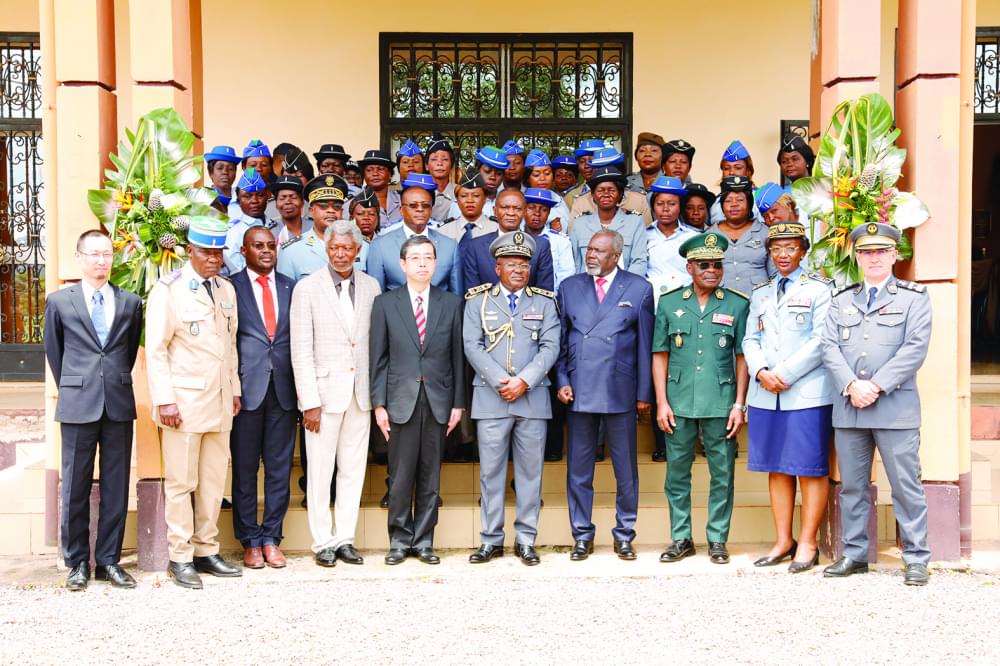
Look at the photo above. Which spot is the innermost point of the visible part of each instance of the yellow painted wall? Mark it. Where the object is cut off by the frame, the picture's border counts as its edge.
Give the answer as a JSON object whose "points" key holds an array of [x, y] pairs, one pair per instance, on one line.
{"points": [[708, 72], [988, 13], [19, 16]]}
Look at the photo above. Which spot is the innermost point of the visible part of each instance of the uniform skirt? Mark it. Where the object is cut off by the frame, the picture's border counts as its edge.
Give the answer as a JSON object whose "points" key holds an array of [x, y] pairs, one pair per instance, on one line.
{"points": [[794, 442]]}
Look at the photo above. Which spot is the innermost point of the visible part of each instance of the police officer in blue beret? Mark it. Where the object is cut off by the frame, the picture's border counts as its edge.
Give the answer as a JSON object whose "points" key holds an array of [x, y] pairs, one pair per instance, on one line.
{"points": [[221, 162], [252, 196], [491, 163]]}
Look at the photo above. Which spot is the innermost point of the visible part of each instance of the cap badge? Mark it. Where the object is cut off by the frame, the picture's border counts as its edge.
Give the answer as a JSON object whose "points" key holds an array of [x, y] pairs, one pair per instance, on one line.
{"points": [[711, 240], [519, 238], [329, 180], [872, 228]]}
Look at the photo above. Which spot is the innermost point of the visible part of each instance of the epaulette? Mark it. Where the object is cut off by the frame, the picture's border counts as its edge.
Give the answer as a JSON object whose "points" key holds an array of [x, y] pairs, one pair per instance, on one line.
{"points": [[819, 278], [911, 286], [762, 284], [493, 218], [739, 293], [475, 291], [632, 212], [541, 292], [290, 241], [672, 290], [448, 219], [581, 214], [847, 288], [170, 277]]}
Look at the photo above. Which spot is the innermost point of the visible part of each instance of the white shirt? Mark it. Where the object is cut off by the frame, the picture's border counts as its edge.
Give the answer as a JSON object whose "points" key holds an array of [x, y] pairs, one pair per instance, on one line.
{"points": [[506, 294], [425, 294], [878, 287], [666, 268], [109, 301], [610, 277], [258, 293]]}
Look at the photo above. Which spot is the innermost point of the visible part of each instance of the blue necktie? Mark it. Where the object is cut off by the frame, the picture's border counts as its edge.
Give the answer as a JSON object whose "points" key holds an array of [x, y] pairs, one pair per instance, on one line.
{"points": [[782, 284], [97, 316], [513, 301], [871, 296], [469, 226]]}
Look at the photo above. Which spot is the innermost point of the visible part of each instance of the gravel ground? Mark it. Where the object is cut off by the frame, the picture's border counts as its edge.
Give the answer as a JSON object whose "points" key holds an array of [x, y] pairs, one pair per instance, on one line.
{"points": [[560, 612]]}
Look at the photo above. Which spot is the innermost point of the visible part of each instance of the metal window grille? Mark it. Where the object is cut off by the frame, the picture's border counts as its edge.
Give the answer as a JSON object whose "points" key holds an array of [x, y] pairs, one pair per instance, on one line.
{"points": [[986, 95]]}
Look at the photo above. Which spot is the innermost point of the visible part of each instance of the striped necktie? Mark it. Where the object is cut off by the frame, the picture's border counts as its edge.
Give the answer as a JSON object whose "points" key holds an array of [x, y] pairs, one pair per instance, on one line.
{"points": [[421, 319]]}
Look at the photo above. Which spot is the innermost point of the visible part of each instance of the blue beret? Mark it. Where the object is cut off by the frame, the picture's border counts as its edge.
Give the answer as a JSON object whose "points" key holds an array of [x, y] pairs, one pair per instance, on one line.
{"points": [[251, 181], [256, 148], [537, 158], [588, 146], [513, 148], [606, 157], [539, 196], [222, 154], [424, 180], [736, 151], [565, 162], [766, 195], [492, 156], [668, 185], [409, 149]]}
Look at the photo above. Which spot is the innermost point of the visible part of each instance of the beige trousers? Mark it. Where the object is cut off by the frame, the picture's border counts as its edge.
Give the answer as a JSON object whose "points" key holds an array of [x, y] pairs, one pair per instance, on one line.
{"points": [[193, 463], [342, 442]]}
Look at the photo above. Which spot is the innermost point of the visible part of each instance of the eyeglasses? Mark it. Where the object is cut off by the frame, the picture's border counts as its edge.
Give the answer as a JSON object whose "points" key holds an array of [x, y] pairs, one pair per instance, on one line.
{"points": [[705, 265], [783, 251], [107, 256], [880, 252], [419, 206], [323, 205]]}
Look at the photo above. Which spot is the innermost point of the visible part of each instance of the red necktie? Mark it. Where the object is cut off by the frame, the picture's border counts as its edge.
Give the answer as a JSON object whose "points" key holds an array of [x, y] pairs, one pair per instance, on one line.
{"points": [[421, 319], [270, 321], [600, 289]]}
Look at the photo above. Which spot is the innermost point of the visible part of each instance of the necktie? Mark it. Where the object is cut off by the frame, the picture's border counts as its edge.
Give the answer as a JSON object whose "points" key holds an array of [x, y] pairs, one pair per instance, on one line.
{"points": [[513, 301], [872, 293], [208, 288], [782, 284], [421, 319], [98, 317], [469, 226], [270, 320], [346, 306], [600, 289]]}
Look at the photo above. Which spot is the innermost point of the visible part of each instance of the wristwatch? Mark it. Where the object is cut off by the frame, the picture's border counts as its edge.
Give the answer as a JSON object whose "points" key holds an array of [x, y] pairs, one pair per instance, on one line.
{"points": [[742, 408]]}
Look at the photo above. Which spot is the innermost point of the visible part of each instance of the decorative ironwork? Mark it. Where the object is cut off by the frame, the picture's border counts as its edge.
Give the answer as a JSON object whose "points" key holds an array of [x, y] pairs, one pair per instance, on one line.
{"points": [[546, 91], [986, 95], [22, 216]]}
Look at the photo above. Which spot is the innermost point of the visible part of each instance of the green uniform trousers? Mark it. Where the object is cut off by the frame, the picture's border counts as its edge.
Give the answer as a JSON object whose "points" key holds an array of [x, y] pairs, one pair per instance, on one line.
{"points": [[721, 455]]}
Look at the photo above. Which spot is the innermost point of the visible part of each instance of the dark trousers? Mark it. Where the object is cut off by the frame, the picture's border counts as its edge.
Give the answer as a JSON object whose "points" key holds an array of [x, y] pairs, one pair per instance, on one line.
{"points": [[584, 437], [555, 435], [415, 450], [79, 447], [264, 434]]}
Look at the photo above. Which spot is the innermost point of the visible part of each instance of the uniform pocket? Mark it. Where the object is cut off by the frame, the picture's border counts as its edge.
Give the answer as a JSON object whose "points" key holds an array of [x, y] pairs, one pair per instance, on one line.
{"points": [[71, 380]]}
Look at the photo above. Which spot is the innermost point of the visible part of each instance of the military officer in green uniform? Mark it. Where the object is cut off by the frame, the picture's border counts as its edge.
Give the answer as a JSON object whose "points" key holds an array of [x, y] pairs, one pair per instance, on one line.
{"points": [[701, 383]]}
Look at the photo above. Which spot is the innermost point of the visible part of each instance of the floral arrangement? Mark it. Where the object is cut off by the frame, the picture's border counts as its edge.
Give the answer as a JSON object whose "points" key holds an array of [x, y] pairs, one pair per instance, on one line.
{"points": [[854, 182], [147, 200]]}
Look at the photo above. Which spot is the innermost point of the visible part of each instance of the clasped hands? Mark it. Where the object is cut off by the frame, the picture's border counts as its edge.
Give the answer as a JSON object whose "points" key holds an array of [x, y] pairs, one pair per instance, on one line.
{"points": [[863, 393]]}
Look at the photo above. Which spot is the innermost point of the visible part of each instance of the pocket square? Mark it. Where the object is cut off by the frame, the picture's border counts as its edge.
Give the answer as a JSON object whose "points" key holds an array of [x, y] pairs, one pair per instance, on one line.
{"points": [[624, 304]]}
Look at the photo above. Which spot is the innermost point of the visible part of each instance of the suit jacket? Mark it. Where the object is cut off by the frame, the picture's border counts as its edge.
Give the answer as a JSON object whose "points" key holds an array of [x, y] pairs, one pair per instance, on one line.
{"points": [[606, 352], [480, 267], [399, 363], [329, 353], [92, 378], [261, 358], [886, 344], [383, 261], [785, 335], [191, 350]]}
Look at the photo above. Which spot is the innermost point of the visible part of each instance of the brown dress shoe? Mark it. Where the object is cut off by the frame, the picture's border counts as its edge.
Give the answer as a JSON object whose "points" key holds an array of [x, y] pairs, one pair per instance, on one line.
{"points": [[274, 557], [252, 558]]}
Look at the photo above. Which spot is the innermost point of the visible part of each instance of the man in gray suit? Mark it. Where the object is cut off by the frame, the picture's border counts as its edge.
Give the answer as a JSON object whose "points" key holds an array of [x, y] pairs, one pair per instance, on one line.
{"points": [[875, 340], [511, 336], [92, 332]]}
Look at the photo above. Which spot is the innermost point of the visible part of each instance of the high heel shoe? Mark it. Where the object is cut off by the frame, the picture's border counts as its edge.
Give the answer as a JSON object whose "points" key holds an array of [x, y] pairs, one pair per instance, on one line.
{"points": [[769, 561], [799, 567]]}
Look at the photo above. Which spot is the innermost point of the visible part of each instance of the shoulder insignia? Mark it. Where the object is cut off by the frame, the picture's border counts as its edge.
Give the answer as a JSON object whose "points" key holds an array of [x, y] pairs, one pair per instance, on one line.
{"points": [[719, 294], [911, 286], [847, 288], [224, 278], [448, 220], [170, 277], [762, 284], [581, 214], [493, 218], [541, 292], [671, 291], [738, 293], [475, 291], [632, 212], [686, 295], [820, 278], [290, 241]]}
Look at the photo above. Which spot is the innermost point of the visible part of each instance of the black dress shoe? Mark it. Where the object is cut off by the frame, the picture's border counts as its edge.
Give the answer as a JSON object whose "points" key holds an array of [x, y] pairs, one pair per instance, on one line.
{"points": [[215, 565], [845, 567], [115, 575], [799, 567], [768, 561], [348, 554], [915, 574], [184, 574], [78, 577], [527, 554], [553, 457], [625, 550], [718, 553], [581, 550], [384, 502], [678, 550], [226, 504], [427, 556], [599, 456], [440, 502], [395, 556], [486, 553], [326, 557], [659, 456]]}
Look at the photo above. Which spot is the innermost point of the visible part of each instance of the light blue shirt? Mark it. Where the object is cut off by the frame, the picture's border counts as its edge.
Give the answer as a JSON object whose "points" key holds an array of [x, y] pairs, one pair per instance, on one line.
{"points": [[666, 269]]}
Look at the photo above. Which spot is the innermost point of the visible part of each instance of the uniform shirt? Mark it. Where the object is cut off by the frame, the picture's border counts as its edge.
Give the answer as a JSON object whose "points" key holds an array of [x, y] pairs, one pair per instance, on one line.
{"points": [[391, 214], [455, 229], [258, 292], [109, 301], [628, 224], [715, 214], [563, 263], [235, 261], [284, 235], [746, 262], [234, 211], [302, 256], [443, 199], [666, 268]]}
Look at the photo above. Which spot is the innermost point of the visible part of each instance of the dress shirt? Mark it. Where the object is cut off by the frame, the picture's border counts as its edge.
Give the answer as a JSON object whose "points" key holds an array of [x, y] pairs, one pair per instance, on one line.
{"points": [[109, 301], [258, 292], [339, 281], [425, 294], [610, 277], [878, 287]]}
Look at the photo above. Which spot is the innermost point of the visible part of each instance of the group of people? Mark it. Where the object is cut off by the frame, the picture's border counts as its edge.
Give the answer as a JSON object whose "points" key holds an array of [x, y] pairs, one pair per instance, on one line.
{"points": [[535, 293]]}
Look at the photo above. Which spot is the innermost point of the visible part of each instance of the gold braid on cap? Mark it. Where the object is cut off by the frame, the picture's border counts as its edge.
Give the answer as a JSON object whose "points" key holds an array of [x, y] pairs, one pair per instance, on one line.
{"points": [[327, 193]]}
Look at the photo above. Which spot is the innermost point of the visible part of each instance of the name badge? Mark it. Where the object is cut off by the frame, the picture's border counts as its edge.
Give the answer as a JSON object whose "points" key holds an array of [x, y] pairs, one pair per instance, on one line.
{"points": [[724, 319], [845, 334], [533, 316], [800, 303], [890, 311]]}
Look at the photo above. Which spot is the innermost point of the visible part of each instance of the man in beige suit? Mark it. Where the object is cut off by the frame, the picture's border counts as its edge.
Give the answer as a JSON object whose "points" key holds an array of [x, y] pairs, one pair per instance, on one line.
{"points": [[195, 389], [330, 321]]}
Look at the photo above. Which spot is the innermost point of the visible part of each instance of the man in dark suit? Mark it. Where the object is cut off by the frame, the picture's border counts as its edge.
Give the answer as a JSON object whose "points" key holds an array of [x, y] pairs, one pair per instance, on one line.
{"points": [[418, 394], [265, 427], [604, 374], [480, 267], [92, 332]]}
